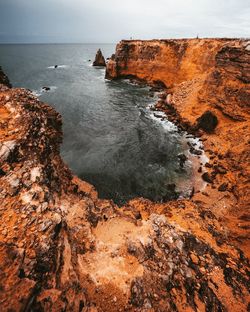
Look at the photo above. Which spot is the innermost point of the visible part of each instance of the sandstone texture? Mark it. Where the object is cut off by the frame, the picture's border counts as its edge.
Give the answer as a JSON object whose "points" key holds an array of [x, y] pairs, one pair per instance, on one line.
{"points": [[64, 249], [99, 59]]}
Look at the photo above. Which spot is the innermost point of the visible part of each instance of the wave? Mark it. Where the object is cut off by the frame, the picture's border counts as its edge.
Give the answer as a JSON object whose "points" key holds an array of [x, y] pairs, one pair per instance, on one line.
{"points": [[58, 66], [41, 91], [161, 118]]}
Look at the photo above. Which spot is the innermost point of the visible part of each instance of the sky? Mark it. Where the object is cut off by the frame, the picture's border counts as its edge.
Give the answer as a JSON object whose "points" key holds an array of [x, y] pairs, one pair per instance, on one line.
{"points": [[109, 21]]}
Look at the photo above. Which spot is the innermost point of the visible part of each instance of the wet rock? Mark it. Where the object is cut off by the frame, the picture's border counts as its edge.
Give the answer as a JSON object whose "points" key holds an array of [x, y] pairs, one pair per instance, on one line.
{"points": [[182, 159], [207, 177], [99, 59], [46, 88], [195, 151], [207, 122]]}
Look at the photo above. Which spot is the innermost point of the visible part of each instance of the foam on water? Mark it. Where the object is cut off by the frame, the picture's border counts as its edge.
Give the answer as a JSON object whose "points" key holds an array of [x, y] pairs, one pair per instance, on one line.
{"points": [[58, 66], [112, 137], [41, 91]]}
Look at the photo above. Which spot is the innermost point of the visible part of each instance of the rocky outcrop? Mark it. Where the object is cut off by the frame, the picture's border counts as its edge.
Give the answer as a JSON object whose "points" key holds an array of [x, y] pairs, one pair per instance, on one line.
{"points": [[63, 249], [99, 59], [202, 75], [4, 79]]}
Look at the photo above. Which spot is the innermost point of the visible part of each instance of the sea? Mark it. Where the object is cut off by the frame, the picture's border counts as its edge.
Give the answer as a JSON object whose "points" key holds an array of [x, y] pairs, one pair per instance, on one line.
{"points": [[112, 138]]}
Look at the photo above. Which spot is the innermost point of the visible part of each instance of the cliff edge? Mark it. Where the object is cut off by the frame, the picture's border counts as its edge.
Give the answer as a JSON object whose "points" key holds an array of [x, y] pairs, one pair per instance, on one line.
{"points": [[201, 75], [63, 249]]}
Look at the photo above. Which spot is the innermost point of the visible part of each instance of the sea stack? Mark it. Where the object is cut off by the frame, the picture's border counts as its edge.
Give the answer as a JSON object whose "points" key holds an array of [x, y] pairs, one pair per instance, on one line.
{"points": [[99, 59]]}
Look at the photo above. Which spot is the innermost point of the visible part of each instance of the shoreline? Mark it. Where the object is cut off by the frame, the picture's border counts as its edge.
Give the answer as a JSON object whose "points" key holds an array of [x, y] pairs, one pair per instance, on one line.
{"points": [[193, 137], [64, 248], [196, 81]]}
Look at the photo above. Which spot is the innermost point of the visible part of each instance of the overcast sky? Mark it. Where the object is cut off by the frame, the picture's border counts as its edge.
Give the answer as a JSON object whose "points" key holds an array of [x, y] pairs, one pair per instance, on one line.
{"points": [[109, 21]]}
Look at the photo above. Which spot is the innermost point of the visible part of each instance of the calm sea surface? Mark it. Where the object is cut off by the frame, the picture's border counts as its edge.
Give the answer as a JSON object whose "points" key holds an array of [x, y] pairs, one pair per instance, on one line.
{"points": [[111, 138]]}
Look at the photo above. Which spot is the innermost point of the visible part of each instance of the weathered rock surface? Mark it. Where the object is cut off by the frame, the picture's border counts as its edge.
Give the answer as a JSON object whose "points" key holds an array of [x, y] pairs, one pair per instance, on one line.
{"points": [[63, 249], [99, 59], [203, 75], [4, 79]]}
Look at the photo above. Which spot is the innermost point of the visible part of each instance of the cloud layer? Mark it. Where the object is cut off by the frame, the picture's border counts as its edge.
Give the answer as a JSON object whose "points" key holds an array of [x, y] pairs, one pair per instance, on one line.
{"points": [[112, 20]]}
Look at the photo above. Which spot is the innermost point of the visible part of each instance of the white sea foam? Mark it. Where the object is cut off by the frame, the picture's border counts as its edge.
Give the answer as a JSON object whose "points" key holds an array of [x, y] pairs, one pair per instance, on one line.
{"points": [[58, 66], [158, 117], [37, 92], [41, 91]]}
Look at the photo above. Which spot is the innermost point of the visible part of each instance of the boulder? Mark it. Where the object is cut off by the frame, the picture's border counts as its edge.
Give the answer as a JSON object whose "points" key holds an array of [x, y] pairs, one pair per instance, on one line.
{"points": [[207, 177], [207, 122], [99, 59]]}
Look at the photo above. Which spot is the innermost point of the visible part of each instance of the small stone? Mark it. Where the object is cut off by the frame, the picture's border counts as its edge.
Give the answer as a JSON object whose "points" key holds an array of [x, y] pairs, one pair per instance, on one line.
{"points": [[194, 258]]}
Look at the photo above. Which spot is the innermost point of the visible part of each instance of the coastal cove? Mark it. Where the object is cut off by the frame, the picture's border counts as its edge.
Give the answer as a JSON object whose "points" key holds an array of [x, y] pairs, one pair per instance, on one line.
{"points": [[63, 248], [112, 137]]}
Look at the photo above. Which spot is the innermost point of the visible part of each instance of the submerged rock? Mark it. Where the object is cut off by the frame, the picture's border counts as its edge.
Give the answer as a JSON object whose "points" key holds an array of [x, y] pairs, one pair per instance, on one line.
{"points": [[46, 88], [99, 59]]}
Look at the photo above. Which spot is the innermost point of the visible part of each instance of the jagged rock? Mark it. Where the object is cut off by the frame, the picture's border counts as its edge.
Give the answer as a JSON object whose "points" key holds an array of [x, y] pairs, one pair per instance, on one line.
{"points": [[99, 59], [64, 249], [4, 79], [207, 122]]}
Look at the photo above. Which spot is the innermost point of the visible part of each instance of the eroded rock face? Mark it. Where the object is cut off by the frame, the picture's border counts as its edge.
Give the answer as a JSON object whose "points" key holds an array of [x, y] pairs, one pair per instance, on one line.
{"points": [[99, 59], [63, 249], [202, 75], [4, 79]]}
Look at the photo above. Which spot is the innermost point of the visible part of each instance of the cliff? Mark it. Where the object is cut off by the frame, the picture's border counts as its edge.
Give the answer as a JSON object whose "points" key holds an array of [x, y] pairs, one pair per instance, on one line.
{"points": [[63, 249], [202, 75]]}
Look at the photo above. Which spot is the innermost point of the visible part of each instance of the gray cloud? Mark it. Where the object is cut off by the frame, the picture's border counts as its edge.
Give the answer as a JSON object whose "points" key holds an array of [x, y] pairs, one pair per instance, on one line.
{"points": [[112, 20]]}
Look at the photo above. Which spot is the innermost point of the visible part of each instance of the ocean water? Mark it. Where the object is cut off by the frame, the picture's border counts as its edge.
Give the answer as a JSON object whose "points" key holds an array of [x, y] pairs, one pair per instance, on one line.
{"points": [[111, 137]]}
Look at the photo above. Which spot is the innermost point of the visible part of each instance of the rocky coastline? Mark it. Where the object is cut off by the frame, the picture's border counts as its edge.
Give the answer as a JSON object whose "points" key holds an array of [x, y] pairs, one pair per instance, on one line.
{"points": [[64, 249]]}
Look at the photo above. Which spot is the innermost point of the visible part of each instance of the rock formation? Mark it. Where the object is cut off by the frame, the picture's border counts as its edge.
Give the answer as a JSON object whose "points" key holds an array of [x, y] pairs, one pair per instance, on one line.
{"points": [[4, 79], [99, 59], [63, 249]]}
